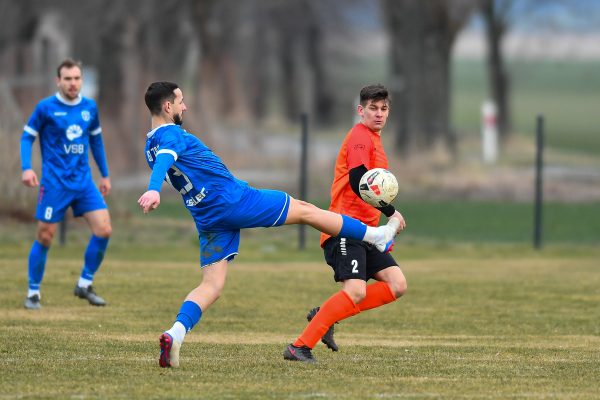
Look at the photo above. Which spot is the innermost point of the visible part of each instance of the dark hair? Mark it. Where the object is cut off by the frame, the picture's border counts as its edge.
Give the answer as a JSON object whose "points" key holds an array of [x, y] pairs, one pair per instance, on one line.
{"points": [[157, 93], [68, 63], [374, 93]]}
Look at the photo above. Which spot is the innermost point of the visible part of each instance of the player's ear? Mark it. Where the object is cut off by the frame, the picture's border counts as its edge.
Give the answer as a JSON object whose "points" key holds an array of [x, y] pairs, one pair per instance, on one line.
{"points": [[360, 110]]}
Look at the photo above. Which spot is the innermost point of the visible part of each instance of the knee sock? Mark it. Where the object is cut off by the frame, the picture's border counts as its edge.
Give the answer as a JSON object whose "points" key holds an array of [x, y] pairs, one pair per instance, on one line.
{"points": [[37, 265], [336, 308], [189, 315], [352, 228], [94, 254], [378, 294]]}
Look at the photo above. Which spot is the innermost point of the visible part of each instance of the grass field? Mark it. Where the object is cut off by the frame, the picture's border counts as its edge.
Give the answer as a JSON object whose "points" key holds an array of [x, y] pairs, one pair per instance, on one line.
{"points": [[483, 319], [477, 327], [565, 92]]}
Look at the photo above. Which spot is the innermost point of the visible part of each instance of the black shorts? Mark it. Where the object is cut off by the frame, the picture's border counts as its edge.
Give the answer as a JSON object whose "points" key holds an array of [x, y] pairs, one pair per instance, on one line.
{"points": [[354, 259]]}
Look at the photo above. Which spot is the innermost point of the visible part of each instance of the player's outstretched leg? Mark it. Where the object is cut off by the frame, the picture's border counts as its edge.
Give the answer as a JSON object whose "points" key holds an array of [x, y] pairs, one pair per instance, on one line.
{"points": [[327, 338], [301, 353], [301, 212]]}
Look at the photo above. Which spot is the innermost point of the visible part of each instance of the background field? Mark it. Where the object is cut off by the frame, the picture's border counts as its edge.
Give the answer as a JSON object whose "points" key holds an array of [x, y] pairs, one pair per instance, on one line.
{"points": [[565, 92], [486, 316]]}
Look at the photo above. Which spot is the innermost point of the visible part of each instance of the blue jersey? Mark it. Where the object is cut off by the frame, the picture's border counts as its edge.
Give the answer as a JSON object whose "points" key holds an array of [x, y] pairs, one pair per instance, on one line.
{"points": [[64, 129], [206, 185]]}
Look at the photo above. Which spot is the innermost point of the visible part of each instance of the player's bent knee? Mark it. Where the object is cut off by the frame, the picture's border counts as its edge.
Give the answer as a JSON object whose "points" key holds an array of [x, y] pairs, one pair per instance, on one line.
{"points": [[45, 237], [104, 231], [399, 287], [357, 295]]}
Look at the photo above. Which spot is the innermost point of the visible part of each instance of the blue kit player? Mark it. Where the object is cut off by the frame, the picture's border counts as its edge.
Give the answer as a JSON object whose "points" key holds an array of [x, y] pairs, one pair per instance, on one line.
{"points": [[221, 205], [67, 125]]}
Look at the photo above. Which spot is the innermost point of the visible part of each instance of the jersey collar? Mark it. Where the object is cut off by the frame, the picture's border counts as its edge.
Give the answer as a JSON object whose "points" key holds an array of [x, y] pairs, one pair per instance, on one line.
{"points": [[157, 128], [69, 102]]}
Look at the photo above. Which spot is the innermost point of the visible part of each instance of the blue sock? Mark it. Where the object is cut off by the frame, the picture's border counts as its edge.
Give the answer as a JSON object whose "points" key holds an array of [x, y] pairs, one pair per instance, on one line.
{"points": [[352, 228], [37, 264], [189, 314], [94, 254]]}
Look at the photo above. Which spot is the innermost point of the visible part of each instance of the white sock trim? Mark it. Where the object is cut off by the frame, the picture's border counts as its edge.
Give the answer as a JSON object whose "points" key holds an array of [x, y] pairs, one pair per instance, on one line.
{"points": [[84, 283], [177, 331]]}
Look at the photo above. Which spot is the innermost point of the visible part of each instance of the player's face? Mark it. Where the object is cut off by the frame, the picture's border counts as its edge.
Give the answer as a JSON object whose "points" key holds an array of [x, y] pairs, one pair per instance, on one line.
{"points": [[374, 115], [178, 107], [69, 82]]}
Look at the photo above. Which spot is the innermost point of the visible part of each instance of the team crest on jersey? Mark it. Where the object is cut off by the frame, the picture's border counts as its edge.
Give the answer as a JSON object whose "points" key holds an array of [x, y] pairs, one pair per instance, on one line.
{"points": [[74, 131], [85, 114]]}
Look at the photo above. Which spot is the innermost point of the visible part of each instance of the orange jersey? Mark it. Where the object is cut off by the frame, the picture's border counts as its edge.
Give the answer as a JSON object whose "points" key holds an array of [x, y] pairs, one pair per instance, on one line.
{"points": [[361, 146]]}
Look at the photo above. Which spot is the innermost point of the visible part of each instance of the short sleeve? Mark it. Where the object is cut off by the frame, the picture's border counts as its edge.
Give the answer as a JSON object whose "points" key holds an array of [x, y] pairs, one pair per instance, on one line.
{"points": [[359, 148], [36, 121], [171, 142], [95, 128]]}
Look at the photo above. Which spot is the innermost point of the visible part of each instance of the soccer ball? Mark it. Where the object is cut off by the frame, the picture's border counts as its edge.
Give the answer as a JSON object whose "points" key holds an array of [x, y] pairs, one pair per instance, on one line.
{"points": [[378, 187]]}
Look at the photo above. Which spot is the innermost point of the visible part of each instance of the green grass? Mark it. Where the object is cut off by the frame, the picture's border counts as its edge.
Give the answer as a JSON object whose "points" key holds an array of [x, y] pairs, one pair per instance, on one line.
{"points": [[501, 222], [486, 316], [566, 93], [457, 228], [510, 326]]}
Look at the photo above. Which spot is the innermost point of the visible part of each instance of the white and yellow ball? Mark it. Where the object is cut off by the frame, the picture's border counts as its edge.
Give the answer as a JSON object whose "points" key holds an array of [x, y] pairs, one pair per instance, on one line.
{"points": [[378, 187]]}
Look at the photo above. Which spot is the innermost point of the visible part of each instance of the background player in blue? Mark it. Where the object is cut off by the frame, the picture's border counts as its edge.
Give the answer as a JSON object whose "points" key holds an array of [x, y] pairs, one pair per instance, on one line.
{"points": [[221, 205], [67, 125]]}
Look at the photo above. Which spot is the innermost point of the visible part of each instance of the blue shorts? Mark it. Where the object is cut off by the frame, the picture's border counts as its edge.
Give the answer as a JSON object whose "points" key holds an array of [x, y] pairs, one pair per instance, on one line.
{"points": [[259, 208], [53, 202]]}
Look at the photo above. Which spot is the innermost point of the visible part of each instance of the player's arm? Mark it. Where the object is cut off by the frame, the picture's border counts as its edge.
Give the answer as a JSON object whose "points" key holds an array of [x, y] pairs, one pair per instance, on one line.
{"points": [[28, 176], [97, 147], [151, 199], [389, 211]]}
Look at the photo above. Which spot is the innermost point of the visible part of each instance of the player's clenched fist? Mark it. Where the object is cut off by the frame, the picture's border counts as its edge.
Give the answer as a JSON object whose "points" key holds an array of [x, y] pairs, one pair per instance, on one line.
{"points": [[149, 201]]}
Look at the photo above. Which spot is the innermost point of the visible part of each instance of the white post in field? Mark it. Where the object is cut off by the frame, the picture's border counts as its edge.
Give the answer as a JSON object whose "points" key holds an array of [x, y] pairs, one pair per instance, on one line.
{"points": [[489, 132]]}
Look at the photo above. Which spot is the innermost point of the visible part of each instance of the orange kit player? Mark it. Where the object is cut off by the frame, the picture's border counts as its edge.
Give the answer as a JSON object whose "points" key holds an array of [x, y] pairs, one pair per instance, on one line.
{"points": [[355, 262]]}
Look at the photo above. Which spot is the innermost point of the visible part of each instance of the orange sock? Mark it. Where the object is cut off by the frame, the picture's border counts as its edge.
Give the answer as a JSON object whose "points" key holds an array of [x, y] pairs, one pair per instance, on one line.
{"points": [[336, 308], [378, 294]]}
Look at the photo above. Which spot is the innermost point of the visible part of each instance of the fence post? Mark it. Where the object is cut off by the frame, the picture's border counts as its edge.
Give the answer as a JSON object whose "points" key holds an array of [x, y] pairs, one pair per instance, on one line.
{"points": [[539, 165], [303, 175]]}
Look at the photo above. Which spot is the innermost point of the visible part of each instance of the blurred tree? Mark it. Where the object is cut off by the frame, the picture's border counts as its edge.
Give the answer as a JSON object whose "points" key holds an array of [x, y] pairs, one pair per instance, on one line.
{"points": [[222, 96], [421, 37], [301, 56], [496, 15], [323, 100]]}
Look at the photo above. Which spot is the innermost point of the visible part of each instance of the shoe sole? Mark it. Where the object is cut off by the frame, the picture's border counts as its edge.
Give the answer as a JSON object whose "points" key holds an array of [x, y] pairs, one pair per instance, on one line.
{"points": [[166, 343]]}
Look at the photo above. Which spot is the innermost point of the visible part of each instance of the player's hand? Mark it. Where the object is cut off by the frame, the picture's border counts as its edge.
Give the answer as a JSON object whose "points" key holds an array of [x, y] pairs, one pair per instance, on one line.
{"points": [[401, 221], [105, 186], [29, 178], [149, 201]]}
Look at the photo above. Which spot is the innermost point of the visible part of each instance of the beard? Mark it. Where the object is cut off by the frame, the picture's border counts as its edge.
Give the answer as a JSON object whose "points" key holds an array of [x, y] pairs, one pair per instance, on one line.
{"points": [[178, 119]]}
